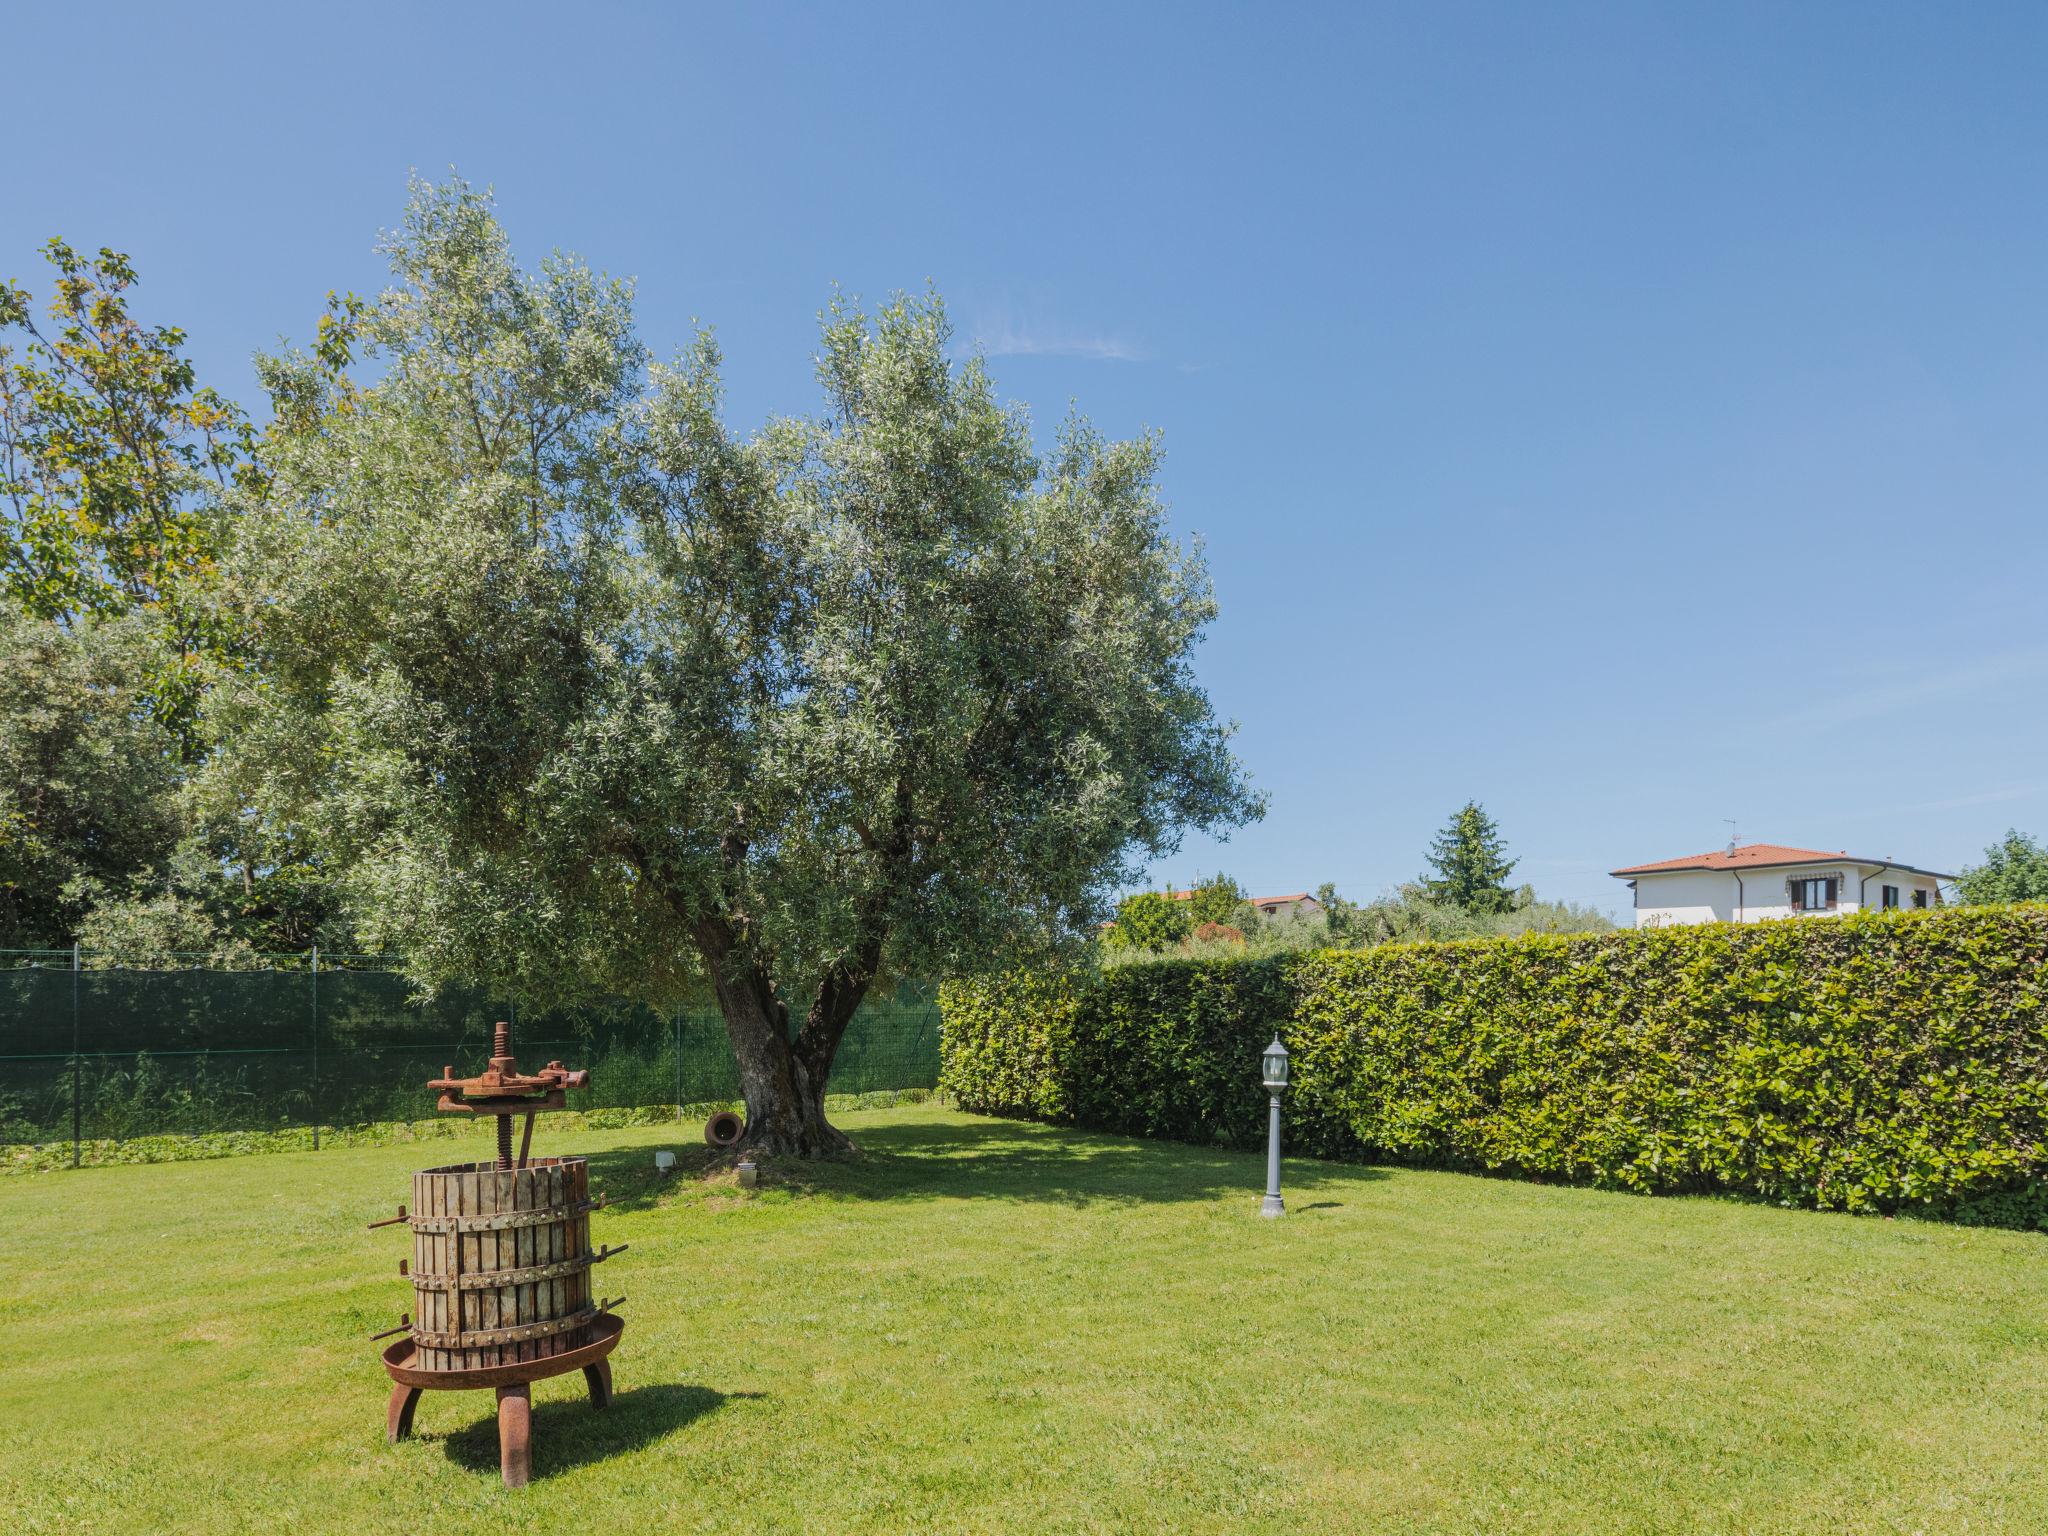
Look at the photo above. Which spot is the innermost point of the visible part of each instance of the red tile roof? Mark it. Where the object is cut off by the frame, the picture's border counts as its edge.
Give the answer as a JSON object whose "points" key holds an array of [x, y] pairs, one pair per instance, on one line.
{"points": [[1764, 856], [1257, 901]]}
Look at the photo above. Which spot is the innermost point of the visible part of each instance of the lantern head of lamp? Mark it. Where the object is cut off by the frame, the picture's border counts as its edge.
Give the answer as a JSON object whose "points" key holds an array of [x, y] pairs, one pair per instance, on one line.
{"points": [[1274, 1064]]}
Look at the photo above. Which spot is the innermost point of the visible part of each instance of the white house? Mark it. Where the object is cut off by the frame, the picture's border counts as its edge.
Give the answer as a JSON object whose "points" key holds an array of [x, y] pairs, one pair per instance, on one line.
{"points": [[1750, 883]]}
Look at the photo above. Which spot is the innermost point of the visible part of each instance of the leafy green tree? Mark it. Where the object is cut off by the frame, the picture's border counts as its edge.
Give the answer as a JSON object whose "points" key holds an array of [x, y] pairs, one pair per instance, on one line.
{"points": [[591, 694], [112, 462], [1215, 900], [2014, 869], [87, 772], [196, 901], [1149, 920], [1471, 863], [1343, 920], [160, 927], [114, 469]]}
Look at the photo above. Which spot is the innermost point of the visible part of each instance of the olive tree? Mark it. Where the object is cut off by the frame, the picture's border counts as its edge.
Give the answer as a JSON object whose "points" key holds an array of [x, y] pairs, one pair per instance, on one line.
{"points": [[599, 695]]}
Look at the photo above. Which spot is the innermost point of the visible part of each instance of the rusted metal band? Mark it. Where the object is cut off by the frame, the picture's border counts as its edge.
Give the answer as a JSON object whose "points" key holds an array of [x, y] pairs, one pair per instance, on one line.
{"points": [[477, 1338], [501, 1223], [490, 1279]]}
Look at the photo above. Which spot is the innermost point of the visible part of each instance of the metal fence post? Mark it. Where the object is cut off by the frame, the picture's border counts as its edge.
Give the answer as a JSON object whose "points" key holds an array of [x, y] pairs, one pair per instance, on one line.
{"points": [[676, 1040], [76, 1074], [316, 1045]]}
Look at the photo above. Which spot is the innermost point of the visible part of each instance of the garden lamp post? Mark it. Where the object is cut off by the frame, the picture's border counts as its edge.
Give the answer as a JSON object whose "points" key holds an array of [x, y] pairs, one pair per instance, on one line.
{"points": [[1274, 1063]]}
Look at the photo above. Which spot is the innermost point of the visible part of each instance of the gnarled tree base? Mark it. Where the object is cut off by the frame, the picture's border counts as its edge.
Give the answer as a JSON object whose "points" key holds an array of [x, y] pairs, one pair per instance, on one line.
{"points": [[792, 1130]]}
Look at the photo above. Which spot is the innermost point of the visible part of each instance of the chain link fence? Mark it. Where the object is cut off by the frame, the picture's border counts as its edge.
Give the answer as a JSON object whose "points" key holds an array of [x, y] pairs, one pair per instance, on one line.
{"points": [[89, 1052]]}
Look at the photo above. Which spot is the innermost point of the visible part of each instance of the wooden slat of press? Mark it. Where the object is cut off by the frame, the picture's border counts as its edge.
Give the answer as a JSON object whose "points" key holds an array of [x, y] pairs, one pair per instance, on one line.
{"points": [[508, 1255], [529, 1305], [451, 1304], [442, 1206], [566, 1295], [508, 1243], [419, 1255], [539, 1298], [426, 1197], [531, 1241], [451, 1264], [445, 1191], [427, 1250], [492, 1298], [484, 1299], [427, 1191], [417, 1244], [494, 1201], [427, 1247], [558, 1248], [587, 1296], [451, 1257], [471, 1246], [578, 1291], [543, 1196], [572, 1240]]}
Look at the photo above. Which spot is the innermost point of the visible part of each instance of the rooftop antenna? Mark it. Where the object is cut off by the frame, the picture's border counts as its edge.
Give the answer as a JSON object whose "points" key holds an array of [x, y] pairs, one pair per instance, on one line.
{"points": [[1731, 832]]}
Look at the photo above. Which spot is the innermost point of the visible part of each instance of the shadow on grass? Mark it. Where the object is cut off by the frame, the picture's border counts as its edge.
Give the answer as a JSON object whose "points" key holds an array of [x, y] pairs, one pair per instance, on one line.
{"points": [[569, 1433], [987, 1159]]}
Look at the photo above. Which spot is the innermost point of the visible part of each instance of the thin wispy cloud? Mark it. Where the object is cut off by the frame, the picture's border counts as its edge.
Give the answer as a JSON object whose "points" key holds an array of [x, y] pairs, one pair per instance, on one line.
{"points": [[1930, 688], [1560, 865], [1002, 336], [1999, 796]]}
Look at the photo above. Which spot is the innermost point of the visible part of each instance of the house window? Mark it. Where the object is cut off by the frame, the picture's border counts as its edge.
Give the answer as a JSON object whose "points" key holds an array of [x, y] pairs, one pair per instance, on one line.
{"points": [[1891, 897], [1815, 895], [1920, 899]]}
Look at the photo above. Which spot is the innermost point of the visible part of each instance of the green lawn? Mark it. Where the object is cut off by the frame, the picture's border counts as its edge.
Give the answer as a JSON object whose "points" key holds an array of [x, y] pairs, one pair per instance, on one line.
{"points": [[989, 1326]]}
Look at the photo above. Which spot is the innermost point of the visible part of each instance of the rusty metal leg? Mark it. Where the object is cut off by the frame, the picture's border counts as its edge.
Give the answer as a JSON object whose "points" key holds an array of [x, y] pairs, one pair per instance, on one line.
{"points": [[515, 1434], [598, 1378], [398, 1414]]}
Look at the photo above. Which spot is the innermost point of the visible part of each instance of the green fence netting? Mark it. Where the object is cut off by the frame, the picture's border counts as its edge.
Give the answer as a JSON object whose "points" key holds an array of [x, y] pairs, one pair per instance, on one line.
{"points": [[91, 1053]]}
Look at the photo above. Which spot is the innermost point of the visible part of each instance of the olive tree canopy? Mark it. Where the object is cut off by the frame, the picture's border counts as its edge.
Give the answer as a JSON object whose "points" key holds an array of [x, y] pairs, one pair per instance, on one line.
{"points": [[599, 696]]}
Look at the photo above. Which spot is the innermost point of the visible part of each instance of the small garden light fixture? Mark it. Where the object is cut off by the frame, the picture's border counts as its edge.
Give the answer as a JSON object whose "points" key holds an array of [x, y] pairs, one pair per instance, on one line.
{"points": [[1274, 1067]]}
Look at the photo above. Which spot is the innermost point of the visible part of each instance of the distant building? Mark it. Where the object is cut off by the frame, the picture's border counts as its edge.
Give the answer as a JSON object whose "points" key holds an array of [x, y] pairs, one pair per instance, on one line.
{"points": [[1300, 904], [1748, 884]]}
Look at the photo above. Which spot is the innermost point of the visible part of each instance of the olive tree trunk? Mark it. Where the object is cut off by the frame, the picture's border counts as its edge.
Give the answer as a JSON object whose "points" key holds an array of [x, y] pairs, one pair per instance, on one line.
{"points": [[782, 1080]]}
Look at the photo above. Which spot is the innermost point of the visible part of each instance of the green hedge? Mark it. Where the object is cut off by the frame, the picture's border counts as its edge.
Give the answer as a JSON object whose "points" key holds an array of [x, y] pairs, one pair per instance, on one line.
{"points": [[1884, 1062]]}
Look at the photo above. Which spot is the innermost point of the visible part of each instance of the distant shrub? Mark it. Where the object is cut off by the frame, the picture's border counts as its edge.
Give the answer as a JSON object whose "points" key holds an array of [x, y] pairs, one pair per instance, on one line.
{"points": [[619, 1119], [1148, 921]]}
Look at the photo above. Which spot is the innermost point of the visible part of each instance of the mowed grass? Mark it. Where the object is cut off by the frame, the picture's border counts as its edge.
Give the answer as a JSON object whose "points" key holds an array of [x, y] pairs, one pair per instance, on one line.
{"points": [[989, 1326]]}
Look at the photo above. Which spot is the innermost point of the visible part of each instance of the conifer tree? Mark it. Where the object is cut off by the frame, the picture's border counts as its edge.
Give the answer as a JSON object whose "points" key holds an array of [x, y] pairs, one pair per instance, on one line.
{"points": [[1471, 862]]}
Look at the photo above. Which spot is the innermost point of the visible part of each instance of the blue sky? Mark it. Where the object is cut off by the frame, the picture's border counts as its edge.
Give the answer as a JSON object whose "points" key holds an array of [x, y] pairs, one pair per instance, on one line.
{"points": [[1630, 417]]}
